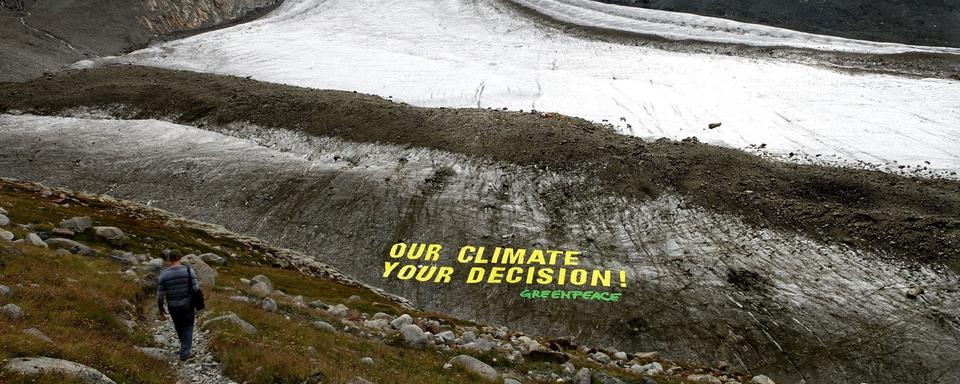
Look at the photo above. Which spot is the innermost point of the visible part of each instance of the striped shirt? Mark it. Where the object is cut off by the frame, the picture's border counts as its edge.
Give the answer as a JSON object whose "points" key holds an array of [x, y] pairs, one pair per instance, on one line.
{"points": [[172, 286]]}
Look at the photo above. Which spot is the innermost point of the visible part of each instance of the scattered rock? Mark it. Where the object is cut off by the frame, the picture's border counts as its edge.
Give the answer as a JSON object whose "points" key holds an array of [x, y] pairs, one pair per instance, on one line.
{"points": [[46, 365], [511, 381], [206, 274], [383, 316], [704, 379], [71, 246], [112, 235], [446, 336], [646, 355], [714, 125], [38, 334], [321, 305], [5, 291], [544, 355], [77, 224], [62, 232], [475, 368], [261, 289], [359, 380], [212, 258], [324, 326], [156, 353], [367, 361], [761, 379], [62, 252], [6, 235], [380, 324], [35, 240], [399, 322], [621, 356], [11, 311], [233, 318], [354, 299], [604, 378], [4, 220], [129, 275], [413, 335], [583, 376], [269, 305], [651, 369]]}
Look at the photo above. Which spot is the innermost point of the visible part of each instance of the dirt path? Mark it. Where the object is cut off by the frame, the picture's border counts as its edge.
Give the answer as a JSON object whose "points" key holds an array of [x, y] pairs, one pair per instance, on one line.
{"points": [[203, 368]]}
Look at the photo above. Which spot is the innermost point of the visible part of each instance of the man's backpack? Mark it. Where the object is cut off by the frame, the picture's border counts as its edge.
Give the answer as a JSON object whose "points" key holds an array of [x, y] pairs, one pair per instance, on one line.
{"points": [[196, 296]]}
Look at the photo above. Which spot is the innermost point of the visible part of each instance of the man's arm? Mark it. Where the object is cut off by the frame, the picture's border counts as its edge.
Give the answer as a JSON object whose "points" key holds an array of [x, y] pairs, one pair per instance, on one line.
{"points": [[161, 293]]}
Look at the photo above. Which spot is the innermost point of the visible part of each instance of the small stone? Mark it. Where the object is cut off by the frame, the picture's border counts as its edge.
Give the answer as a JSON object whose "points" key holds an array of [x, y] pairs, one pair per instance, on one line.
{"points": [[367, 361], [652, 369], [62, 232], [245, 281], [324, 326], [269, 305], [914, 292], [4, 220], [158, 354], [359, 380], [6, 235], [5, 291], [621, 356], [242, 299], [77, 224], [600, 357], [233, 318], [212, 258], [11, 311], [446, 336], [354, 299], [70, 245], [761, 379], [339, 310], [399, 322], [129, 275], [474, 367], [646, 355], [38, 334], [261, 288], [320, 305], [510, 381]]}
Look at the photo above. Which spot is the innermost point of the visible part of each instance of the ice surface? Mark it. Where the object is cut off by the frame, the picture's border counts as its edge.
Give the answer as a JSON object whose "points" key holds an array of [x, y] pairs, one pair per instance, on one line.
{"points": [[483, 53]]}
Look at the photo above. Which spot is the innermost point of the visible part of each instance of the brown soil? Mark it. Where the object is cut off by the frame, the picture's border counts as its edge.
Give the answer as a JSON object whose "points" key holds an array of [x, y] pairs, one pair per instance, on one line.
{"points": [[908, 218]]}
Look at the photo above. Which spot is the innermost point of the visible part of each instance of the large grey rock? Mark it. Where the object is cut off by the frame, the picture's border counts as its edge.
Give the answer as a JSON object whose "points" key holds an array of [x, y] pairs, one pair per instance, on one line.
{"points": [[413, 335], [6, 235], [269, 305], [4, 220], [77, 224], [262, 279], [46, 365], [35, 240], [339, 310], [261, 289], [761, 379], [70, 245], [212, 258], [399, 322], [38, 334], [446, 336], [600, 357], [324, 326], [11, 311], [475, 368], [206, 274], [112, 235], [232, 318], [583, 376], [5, 291]]}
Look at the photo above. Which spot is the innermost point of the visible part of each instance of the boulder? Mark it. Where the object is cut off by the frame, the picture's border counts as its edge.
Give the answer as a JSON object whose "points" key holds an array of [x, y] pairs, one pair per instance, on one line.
{"points": [[475, 368], [6, 235], [62, 232], [206, 274], [621, 356], [262, 279], [379, 324], [112, 235], [38, 334], [704, 379], [5, 291], [269, 305], [261, 289], [399, 322], [77, 224], [11, 311], [761, 379], [324, 326], [413, 335], [4, 220], [35, 240], [71, 246], [46, 365], [446, 336], [232, 318], [212, 258], [651, 369], [583, 376]]}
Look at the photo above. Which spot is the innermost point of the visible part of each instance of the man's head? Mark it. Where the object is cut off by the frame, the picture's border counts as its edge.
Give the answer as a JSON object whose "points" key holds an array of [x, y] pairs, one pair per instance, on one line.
{"points": [[175, 256]]}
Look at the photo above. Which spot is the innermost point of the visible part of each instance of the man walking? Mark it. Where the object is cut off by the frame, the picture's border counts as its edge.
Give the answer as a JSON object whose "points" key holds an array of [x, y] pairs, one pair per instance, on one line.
{"points": [[176, 285]]}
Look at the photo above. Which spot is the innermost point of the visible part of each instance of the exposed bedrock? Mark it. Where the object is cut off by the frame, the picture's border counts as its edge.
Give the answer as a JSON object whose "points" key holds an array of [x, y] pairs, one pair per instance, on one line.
{"points": [[701, 286]]}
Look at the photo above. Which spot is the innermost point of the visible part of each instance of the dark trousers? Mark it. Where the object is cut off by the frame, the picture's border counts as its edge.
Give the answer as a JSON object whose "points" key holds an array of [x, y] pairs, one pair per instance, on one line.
{"points": [[183, 318]]}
